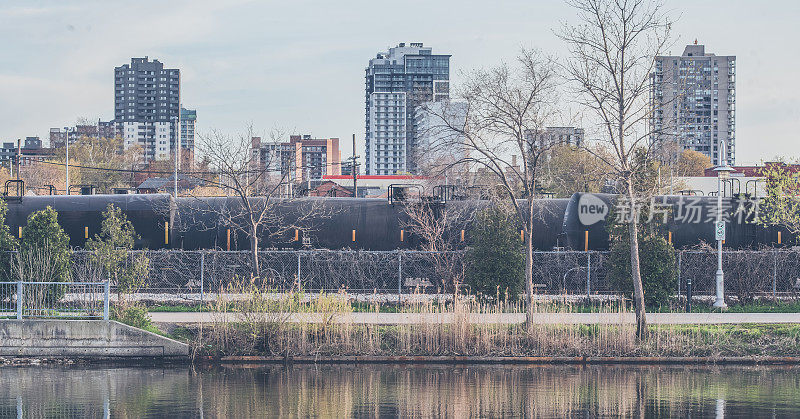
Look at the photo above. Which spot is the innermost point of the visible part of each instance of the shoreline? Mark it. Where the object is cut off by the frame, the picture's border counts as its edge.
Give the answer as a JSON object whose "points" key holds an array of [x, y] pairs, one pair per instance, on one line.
{"points": [[243, 360], [500, 360]]}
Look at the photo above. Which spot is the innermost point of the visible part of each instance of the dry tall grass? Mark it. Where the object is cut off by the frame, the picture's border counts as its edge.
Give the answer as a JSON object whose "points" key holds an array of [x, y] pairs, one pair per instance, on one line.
{"points": [[263, 324]]}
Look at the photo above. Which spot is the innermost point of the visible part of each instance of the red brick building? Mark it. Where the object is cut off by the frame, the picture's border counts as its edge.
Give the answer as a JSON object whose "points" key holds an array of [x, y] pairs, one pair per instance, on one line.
{"points": [[331, 189], [303, 158]]}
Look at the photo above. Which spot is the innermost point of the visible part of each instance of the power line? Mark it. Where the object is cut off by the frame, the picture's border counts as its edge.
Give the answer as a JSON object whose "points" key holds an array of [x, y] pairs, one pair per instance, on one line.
{"points": [[160, 172]]}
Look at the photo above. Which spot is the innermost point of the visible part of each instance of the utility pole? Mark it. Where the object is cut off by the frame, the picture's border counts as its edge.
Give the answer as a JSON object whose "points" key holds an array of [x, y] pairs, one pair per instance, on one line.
{"points": [[177, 148], [19, 156], [11, 166], [354, 170]]}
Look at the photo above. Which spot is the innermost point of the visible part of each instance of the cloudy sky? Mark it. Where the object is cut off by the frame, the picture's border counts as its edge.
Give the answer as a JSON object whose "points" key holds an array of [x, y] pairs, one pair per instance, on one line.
{"points": [[300, 64]]}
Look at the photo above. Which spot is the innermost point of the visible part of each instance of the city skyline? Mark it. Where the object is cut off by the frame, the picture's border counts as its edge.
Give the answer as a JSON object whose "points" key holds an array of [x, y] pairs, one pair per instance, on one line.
{"points": [[244, 63]]}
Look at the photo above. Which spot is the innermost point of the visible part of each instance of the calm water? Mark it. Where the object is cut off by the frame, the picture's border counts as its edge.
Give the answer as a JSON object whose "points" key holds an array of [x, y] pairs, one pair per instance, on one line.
{"points": [[399, 391]]}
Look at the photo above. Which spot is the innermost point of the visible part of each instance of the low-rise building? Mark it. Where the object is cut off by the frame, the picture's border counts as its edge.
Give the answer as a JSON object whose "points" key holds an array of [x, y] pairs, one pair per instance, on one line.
{"points": [[743, 179], [553, 136], [167, 185], [330, 189], [102, 129], [378, 185], [28, 152]]}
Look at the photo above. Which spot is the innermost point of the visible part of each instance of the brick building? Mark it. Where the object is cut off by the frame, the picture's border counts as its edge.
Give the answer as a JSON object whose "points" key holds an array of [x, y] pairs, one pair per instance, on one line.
{"points": [[302, 158]]}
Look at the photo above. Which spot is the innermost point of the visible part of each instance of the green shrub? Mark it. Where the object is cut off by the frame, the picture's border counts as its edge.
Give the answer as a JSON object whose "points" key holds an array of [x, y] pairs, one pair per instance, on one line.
{"points": [[133, 315], [8, 244], [496, 259], [43, 256], [43, 236], [656, 263], [110, 250]]}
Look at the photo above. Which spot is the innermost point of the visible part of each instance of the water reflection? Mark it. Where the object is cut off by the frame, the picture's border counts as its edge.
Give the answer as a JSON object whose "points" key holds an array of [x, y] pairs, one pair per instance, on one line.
{"points": [[394, 391]]}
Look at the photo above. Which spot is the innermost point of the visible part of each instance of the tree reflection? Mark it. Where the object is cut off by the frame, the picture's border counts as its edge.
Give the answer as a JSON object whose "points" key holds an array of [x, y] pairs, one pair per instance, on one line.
{"points": [[397, 390]]}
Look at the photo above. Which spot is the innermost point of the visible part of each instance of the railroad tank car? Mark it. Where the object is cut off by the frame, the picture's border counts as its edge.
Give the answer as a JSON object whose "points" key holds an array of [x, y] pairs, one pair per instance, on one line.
{"points": [[81, 215], [335, 223], [190, 223], [329, 223], [691, 222]]}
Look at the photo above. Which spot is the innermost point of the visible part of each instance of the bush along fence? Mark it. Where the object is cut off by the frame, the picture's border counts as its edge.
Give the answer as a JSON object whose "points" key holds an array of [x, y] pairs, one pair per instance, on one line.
{"points": [[748, 274]]}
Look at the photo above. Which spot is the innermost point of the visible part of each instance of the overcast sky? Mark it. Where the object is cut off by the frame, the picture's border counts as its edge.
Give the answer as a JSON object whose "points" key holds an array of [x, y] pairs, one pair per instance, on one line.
{"points": [[300, 64]]}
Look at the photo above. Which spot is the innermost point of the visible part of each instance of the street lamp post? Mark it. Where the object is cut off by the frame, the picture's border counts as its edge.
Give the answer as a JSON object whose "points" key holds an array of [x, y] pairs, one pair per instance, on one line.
{"points": [[723, 172]]}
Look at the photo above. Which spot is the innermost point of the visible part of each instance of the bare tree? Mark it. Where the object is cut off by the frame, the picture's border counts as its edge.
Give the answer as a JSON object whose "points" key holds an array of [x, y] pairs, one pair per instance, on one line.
{"points": [[613, 51], [504, 114], [257, 185], [439, 227]]}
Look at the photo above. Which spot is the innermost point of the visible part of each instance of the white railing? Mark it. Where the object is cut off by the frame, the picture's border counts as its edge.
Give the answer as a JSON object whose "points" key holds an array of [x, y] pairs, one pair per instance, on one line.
{"points": [[27, 299]]}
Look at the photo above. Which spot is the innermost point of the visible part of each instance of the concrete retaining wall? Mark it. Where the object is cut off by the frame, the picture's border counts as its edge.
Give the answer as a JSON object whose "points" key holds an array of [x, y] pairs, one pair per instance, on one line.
{"points": [[84, 339]]}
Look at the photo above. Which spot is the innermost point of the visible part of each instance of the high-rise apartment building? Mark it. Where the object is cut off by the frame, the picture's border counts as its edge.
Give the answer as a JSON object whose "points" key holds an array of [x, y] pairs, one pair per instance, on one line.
{"points": [[302, 158], [147, 106], [188, 120], [395, 83], [694, 102]]}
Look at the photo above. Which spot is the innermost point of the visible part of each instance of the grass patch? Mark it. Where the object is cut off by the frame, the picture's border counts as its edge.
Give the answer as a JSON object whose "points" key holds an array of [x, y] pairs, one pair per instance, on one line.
{"points": [[136, 316], [177, 308]]}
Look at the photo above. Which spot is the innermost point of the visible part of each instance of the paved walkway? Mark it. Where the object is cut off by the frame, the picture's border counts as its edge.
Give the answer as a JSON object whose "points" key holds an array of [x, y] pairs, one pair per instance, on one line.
{"points": [[504, 318]]}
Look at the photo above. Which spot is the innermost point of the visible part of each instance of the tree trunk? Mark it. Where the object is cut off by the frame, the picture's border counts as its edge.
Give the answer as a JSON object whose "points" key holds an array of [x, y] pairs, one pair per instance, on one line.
{"points": [[529, 277], [120, 301], [254, 253], [529, 263], [636, 275]]}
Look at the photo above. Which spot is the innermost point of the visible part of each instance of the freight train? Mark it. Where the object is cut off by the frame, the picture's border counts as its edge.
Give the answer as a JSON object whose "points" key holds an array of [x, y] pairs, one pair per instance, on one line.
{"points": [[190, 223]]}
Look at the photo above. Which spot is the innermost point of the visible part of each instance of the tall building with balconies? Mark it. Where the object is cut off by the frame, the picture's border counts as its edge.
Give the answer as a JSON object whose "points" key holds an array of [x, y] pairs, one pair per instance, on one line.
{"points": [[395, 83], [693, 98], [147, 106]]}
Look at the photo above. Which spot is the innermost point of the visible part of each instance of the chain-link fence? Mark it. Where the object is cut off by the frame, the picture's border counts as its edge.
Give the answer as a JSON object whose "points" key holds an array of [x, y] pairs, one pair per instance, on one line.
{"points": [[190, 272], [747, 273]]}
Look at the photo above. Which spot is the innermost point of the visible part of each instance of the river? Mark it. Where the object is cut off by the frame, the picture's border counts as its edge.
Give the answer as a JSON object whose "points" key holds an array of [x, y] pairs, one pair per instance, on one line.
{"points": [[399, 391]]}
